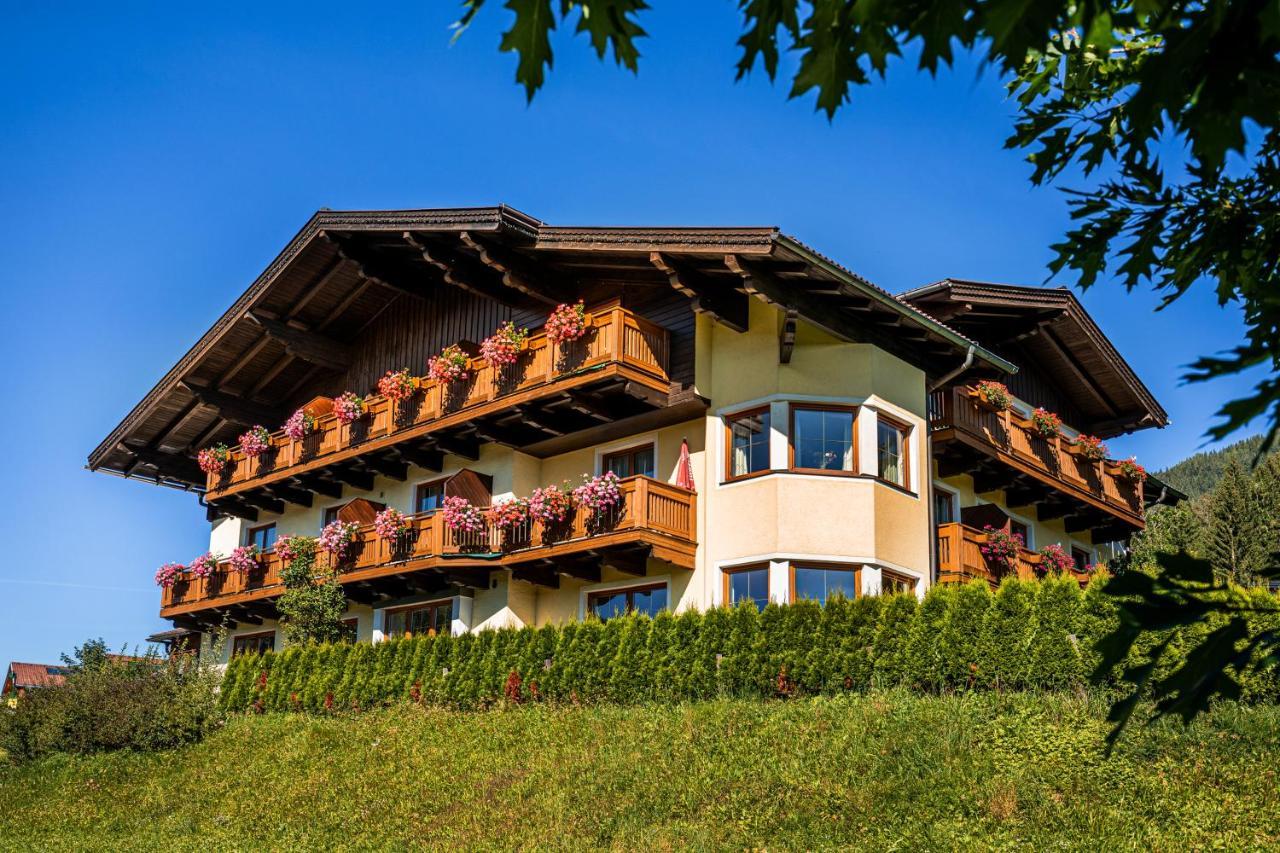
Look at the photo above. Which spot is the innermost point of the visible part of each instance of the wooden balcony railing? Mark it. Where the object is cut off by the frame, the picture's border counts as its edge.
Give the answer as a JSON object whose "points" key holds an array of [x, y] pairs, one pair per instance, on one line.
{"points": [[1012, 438], [652, 512], [960, 558], [617, 340]]}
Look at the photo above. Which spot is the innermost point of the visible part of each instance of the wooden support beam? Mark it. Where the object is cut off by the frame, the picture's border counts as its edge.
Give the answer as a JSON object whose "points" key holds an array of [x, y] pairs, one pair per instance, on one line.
{"points": [[787, 336], [312, 347], [537, 574], [237, 508], [387, 467], [171, 465], [583, 570], [634, 562], [371, 268], [236, 409], [423, 457], [718, 300], [591, 406], [318, 484], [464, 446], [464, 273], [285, 492], [263, 501], [541, 419], [468, 577], [515, 272], [362, 480]]}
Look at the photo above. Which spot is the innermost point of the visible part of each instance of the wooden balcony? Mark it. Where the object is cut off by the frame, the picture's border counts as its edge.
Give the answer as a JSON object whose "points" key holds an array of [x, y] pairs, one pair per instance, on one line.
{"points": [[960, 557], [617, 370], [1001, 450], [654, 519]]}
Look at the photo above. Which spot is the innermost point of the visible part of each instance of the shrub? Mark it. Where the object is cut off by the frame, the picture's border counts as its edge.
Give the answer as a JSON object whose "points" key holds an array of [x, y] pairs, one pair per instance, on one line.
{"points": [[142, 704], [1055, 653], [1004, 659], [924, 668], [889, 651], [958, 646]]}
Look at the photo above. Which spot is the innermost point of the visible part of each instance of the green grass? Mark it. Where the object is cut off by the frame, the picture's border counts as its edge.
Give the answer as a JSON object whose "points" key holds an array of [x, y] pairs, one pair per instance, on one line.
{"points": [[884, 772]]}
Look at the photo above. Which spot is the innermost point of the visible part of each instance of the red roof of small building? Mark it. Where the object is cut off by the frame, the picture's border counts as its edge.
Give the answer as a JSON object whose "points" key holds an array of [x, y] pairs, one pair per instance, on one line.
{"points": [[27, 675]]}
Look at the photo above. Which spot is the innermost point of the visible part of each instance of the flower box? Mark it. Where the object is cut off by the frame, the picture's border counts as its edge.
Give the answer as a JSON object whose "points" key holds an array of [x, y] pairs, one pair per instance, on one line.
{"points": [[993, 396]]}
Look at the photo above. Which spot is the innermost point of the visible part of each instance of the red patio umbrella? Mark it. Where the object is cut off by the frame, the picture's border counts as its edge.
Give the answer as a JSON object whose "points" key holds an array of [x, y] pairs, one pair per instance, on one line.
{"points": [[684, 467]]}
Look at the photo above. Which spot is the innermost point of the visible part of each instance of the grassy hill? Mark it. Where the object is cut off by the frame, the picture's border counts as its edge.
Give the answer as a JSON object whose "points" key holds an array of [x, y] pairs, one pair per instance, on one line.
{"points": [[886, 771]]}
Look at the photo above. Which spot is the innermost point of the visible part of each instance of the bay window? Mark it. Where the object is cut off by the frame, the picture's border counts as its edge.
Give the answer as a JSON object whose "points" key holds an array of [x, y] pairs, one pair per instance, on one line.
{"points": [[822, 438], [748, 442]]}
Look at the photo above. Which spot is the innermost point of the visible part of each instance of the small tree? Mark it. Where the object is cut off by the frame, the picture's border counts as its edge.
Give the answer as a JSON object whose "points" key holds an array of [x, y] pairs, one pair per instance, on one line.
{"points": [[1234, 543], [960, 637], [310, 612], [1004, 648]]}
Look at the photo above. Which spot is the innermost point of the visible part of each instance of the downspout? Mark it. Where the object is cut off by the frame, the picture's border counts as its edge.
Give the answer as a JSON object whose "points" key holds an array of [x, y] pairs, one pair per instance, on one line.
{"points": [[933, 526]]}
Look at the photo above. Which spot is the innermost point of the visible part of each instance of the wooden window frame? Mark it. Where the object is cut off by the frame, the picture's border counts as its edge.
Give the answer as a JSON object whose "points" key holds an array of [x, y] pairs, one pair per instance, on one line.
{"points": [[1027, 538], [906, 430], [630, 451], [911, 581], [417, 492], [953, 498], [419, 605], [729, 476], [1086, 552], [248, 533], [792, 408], [629, 590], [854, 568], [324, 513], [729, 571], [256, 636]]}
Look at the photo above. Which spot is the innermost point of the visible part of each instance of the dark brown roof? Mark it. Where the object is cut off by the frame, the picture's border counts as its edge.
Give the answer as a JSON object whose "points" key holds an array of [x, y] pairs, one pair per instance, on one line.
{"points": [[1050, 327], [346, 267], [28, 675]]}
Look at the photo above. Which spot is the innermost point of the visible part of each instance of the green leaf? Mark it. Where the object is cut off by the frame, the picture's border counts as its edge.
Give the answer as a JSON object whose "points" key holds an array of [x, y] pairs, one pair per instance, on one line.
{"points": [[530, 38]]}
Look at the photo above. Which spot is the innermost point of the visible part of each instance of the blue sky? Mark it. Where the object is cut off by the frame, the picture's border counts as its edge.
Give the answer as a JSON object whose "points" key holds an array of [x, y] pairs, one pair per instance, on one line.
{"points": [[153, 159]]}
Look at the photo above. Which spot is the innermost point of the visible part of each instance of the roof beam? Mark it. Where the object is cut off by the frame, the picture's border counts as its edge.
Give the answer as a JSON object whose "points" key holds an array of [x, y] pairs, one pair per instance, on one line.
{"points": [[299, 342], [1051, 338], [231, 407], [167, 464], [726, 304], [463, 273], [370, 267], [514, 271]]}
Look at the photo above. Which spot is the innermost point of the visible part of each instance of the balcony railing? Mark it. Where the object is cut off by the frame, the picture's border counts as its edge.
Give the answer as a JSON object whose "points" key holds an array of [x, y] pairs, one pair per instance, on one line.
{"points": [[960, 558], [651, 512], [1013, 439], [617, 340]]}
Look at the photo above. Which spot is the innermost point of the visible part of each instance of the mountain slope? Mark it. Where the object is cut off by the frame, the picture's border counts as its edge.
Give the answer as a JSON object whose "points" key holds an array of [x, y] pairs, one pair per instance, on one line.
{"points": [[1199, 473]]}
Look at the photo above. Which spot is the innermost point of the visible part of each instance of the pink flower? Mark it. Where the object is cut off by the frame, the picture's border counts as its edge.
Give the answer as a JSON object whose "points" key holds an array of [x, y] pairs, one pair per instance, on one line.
{"points": [[245, 558], [349, 407], [300, 425], [461, 516], [509, 514], [566, 323], [1054, 558], [290, 548], [550, 505], [502, 348], [203, 566], [598, 493], [449, 366], [255, 442], [338, 537], [391, 524], [169, 574], [397, 385], [213, 459]]}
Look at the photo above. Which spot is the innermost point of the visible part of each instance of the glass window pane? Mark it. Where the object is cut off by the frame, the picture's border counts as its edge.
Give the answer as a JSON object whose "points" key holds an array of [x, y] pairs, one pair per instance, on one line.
{"points": [[650, 601], [444, 618], [620, 465], [823, 439], [606, 605], [889, 446], [643, 464], [751, 585], [820, 584], [749, 444], [943, 507], [429, 497], [394, 625]]}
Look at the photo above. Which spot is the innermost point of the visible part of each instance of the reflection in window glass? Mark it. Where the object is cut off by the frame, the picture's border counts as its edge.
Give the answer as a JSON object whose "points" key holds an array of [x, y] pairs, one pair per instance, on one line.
{"points": [[892, 583], [636, 461], [424, 621], [823, 439], [749, 585], [890, 445], [264, 537], [821, 584], [944, 507], [749, 443], [429, 497], [650, 601]]}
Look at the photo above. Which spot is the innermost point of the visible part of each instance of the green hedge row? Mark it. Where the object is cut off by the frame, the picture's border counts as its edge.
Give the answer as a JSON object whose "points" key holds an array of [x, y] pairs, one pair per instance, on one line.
{"points": [[1026, 635]]}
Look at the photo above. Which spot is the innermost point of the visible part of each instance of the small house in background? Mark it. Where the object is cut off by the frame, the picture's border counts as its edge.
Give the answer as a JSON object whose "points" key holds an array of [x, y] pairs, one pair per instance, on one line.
{"points": [[22, 677]]}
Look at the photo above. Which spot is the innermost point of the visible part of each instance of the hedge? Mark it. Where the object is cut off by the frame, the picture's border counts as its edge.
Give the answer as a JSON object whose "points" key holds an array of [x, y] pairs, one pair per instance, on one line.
{"points": [[1027, 635]]}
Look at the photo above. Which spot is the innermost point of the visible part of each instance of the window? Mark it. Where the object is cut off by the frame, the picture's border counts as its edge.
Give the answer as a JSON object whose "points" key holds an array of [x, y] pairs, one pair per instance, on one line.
{"points": [[640, 599], [1081, 557], [819, 583], [264, 536], [749, 583], [428, 496], [944, 506], [349, 629], [822, 438], [892, 583], [748, 442], [330, 515], [634, 461], [891, 450], [419, 620], [1017, 528], [252, 644]]}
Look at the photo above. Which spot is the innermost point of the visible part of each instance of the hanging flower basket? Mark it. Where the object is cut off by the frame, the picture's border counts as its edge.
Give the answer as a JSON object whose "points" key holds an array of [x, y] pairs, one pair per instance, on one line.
{"points": [[391, 525], [1001, 548], [1090, 447], [1130, 470], [300, 425], [502, 348], [1054, 558], [461, 516], [245, 558], [169, 574], [566, 323], [550, 505], [255, 441], [349, 407], [397, 385], [213, 459], [994, 395], [599, 494], [203, 566], [451, 365], [290, 548], [1046, 423], [338, 537], [509, 514]]}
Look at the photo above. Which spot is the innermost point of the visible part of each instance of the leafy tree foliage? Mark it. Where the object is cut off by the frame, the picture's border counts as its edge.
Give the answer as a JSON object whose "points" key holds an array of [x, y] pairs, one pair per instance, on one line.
{"points": [[310, 608]]}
